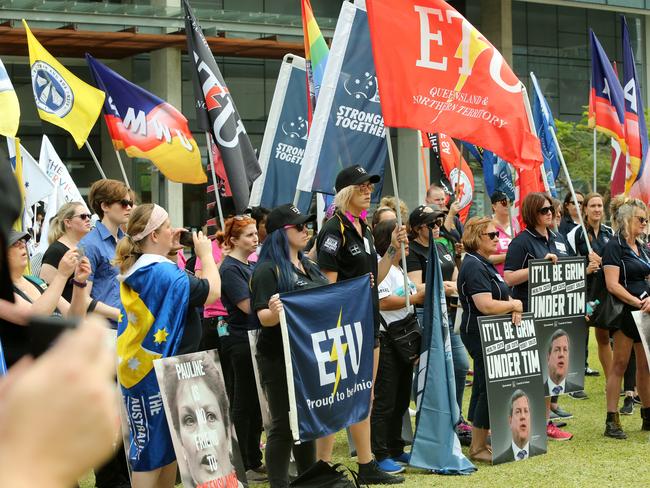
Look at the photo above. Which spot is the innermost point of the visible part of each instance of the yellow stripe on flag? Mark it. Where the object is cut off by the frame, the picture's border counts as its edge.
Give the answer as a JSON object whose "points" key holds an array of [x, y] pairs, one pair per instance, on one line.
{"points": [[61, 98], [9, 107]]}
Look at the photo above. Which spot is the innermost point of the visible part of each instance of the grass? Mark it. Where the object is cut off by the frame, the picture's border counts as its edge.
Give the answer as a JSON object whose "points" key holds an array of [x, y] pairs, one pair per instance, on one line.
{"points": [[589, 459]]}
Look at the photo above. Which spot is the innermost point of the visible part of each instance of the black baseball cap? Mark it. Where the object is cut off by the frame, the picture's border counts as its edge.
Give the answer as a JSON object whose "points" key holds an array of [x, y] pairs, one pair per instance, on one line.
{"points": [[354, 175], [498, 196], [424, 215], [15, 236], [286, 215]]}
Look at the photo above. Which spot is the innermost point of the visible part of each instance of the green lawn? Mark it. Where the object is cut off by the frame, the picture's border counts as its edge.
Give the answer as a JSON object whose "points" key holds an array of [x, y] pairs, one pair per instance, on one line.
{"points": [[588, 459]]}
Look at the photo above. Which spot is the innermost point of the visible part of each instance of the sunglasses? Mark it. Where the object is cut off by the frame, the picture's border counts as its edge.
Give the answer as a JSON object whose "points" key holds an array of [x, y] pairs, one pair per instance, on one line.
{"points": [[491, 235], [544, 210], [20, 243], [298, 227], [83, 216], [365, 187], [580, 202], [124, 202], [437, 223], [642, 220], [503, 202]]}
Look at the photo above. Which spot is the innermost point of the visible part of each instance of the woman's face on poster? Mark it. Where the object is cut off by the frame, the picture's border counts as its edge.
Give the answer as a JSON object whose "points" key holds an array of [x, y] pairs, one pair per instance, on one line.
{"points": [[202, 432]]}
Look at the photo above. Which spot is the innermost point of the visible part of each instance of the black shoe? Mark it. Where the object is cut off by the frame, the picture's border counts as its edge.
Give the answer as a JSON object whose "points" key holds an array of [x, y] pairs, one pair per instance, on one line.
{"points": [[578, 395], [637, 399], [645, 415], [628, 406], [591, 372], [560, 413], [613, 426], [370, 474]]}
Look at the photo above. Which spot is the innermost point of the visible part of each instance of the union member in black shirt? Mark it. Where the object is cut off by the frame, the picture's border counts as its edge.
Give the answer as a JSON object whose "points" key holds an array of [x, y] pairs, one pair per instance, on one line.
{"points": [[282, 267], [626, 265], [346, 250]]}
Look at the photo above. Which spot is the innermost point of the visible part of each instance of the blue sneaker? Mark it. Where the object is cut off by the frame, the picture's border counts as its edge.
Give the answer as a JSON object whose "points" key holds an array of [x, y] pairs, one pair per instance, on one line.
{"points": [[389, 466], [403, 458]]}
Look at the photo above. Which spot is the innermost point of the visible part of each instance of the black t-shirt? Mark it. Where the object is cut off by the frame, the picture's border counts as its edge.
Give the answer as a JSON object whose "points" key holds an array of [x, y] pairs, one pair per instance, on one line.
{"points": [[235, 278], [478, 275], [633, 268], [342, 249], [529, 244], [418, 257], [199, 290], [53, 256], [264, 284]]}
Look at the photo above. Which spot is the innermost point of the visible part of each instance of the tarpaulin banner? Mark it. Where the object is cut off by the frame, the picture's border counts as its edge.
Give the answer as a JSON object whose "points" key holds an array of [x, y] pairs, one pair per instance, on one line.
{"points": [[328, 336]]}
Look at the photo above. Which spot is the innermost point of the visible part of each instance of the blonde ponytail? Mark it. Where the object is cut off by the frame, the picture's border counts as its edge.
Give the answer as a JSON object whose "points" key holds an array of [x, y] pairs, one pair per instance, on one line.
{"points": [[128, 251], [57, 224]]}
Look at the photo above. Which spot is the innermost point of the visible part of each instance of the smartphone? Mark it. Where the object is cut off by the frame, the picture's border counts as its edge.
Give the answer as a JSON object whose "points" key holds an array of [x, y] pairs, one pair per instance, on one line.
{"points": [[186, 239], [44, 331], [81, 252]]}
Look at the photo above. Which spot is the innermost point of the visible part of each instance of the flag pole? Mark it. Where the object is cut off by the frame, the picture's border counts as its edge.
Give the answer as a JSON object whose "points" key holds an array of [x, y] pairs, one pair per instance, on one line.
{"points": [[595, 161], [427, 183], [119, 160], [214, 179], [92, 154], [393, 173], [529, 114]]}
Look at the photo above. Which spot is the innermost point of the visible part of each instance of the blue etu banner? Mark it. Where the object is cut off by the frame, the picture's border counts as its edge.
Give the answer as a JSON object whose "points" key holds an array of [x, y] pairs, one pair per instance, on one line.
{"points": [[328, 337], [347, 127], [285, 138]]}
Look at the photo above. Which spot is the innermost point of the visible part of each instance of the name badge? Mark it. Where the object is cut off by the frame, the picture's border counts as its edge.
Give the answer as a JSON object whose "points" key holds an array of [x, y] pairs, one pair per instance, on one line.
{"points": [[560, 247], [366, 244]]}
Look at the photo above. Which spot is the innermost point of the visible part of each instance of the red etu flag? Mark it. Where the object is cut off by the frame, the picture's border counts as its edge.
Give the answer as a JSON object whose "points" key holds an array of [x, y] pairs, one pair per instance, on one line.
{"points": [[437, 73]]}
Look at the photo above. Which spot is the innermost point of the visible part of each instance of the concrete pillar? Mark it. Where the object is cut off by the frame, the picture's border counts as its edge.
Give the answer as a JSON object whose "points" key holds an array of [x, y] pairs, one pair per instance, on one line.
{"points": [[496, 25], [410, 176], [166, 82], [107, 157]]}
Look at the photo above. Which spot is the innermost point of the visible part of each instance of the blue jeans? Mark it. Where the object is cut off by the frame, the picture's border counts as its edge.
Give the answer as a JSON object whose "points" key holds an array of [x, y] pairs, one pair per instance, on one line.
{"points": [[460, 359]]}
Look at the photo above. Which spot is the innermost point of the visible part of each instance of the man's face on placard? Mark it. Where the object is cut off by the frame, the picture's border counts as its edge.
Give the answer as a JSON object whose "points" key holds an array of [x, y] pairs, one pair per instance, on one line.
{"points": [[520, 421], [558, 359]]}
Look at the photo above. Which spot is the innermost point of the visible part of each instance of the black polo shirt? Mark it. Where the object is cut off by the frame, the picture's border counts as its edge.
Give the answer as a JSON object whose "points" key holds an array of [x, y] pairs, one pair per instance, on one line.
{"points": [[566, 226], [577, 240], [633, 268], [478, 275], [264, 284], [342, 249], [418, 257], [530, 244]]}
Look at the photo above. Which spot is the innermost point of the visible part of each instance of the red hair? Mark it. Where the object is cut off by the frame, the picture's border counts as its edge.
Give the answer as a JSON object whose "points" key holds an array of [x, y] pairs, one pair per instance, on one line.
{"points": [[234, 227]]}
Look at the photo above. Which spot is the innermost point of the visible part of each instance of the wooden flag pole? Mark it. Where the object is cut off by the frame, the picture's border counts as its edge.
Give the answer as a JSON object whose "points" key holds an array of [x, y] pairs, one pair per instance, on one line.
{"points": [[119, 160], [214, 179], [391, 159], [92, 154]]}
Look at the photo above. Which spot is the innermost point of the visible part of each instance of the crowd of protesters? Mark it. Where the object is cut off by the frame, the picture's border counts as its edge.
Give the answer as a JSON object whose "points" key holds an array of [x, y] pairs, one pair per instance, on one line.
{"points": [[233, 284]]}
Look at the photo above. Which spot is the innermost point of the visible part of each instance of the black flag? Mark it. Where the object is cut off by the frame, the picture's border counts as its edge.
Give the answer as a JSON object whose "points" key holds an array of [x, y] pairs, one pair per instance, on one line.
{"points": [[216, 113], [438, 175]]}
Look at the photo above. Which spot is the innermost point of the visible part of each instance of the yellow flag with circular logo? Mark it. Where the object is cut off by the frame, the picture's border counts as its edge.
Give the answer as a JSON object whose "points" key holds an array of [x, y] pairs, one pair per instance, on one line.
{"points": [[61, 98]]}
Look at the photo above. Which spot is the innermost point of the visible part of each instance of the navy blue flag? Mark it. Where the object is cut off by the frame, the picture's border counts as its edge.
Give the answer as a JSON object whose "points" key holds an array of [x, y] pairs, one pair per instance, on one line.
{"points": [[436, 445], [285, 138], [544, 124], [496, 172], [347, 126], [328, 337]]}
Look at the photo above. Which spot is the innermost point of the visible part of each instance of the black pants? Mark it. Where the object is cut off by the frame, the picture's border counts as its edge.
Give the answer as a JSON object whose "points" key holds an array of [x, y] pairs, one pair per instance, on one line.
{"points": [[392, 398], [478, 413], [629, 378], [244, 403], [114, 473], [279, 442]]}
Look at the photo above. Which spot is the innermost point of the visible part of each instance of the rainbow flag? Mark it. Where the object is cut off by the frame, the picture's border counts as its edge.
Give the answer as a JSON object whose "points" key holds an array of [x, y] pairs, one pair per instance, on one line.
{"points": [[316, 53]]}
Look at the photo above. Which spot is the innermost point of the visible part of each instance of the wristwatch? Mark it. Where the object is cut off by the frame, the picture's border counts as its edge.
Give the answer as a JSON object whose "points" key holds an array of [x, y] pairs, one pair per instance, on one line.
{"points": [[78, 284]]}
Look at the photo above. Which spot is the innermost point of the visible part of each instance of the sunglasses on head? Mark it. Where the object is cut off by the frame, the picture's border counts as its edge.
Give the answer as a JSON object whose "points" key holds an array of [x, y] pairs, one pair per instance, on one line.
{"points": [[298, 227], [124, 202], [491, 235], [83, 216], [545, 210]]}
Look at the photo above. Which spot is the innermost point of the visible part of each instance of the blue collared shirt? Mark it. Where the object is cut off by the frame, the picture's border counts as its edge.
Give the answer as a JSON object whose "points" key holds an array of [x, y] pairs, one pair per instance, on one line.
{"points": [[99, 245]]}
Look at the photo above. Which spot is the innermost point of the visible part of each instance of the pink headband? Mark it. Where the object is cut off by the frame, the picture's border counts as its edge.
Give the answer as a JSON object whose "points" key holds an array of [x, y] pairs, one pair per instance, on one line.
{"points": [[158, 217]]}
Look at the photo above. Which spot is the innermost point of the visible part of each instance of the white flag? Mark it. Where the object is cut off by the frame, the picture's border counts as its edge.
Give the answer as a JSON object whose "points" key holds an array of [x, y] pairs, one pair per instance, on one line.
{"points": [[37, 184]]}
